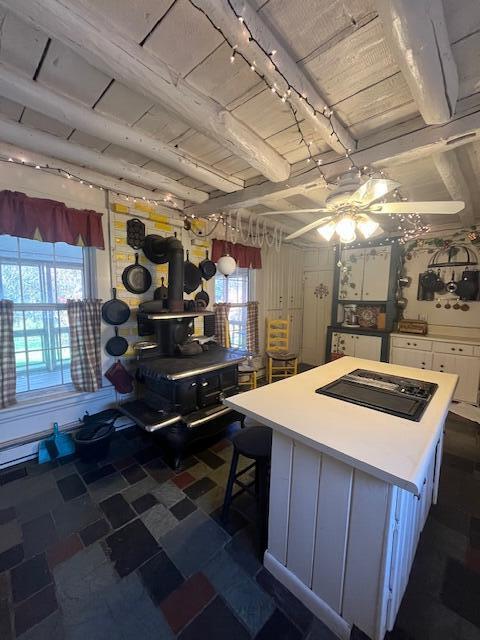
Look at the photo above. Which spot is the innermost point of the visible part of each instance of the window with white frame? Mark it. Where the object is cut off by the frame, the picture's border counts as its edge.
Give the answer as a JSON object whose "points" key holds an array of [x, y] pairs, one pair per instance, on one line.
{"points": [[39, 277], [236, 290]]}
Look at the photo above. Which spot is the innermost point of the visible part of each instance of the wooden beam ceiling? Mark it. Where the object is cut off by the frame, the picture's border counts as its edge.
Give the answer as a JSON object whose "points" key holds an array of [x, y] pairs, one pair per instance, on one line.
{"points": [[223, 16], [418, 38], [70, 112], [449, 169], [99, 43], [22, 136], [404, 147]]}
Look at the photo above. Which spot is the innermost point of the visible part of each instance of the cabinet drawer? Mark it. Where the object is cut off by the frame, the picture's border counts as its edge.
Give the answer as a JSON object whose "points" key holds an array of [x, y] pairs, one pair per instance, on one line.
{"points": [[453, 347], [412, 343]]}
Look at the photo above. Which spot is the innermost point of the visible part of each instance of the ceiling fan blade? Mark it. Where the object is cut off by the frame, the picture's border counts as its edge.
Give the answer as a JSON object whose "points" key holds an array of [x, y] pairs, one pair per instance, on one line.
{"points": [[307, 228], [373, 190], [274, 213], [446, 207]]}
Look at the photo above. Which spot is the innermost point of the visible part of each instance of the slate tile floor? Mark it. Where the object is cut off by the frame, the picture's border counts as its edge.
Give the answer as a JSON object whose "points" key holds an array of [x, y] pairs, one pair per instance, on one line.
{"points": [[128, 548]]}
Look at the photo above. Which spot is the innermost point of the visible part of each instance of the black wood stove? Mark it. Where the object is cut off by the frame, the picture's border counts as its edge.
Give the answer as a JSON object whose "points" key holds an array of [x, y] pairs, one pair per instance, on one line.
{"points": [[181, 384]]}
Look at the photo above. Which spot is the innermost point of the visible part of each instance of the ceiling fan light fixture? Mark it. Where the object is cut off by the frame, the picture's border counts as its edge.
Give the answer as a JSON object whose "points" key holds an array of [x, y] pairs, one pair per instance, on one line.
{"points": [[345, 228], [367, 226], [327, 230]]}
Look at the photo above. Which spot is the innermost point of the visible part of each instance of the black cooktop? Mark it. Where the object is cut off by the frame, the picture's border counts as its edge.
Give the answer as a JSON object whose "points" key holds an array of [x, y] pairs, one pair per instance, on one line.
{"points": [[403, 397]]}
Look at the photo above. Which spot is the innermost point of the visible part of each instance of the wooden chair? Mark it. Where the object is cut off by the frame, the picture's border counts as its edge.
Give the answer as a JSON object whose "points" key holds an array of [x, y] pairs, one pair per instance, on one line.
{"points": [[281, 363]]}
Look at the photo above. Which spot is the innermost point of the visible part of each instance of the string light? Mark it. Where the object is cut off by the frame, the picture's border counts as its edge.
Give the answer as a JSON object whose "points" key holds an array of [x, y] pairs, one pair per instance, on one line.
{"points": [[291, 89], [53, 170]]}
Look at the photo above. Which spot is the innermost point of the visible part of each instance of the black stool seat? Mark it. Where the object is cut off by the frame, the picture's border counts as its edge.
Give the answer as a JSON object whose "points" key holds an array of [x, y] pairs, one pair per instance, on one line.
{"points": [[254, 442]]}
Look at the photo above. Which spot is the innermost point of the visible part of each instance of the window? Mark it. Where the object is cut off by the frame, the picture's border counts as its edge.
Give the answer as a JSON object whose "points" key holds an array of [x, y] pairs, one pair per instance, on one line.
{"points": [[40, 277], [235, 289]]}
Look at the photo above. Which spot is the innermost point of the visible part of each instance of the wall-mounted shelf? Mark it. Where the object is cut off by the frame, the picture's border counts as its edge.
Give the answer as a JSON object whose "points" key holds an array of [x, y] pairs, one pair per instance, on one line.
{"points": [[173, 316]]}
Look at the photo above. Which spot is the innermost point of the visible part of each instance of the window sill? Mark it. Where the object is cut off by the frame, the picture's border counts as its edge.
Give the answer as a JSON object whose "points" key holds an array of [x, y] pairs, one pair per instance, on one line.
{"points": [[34, 402]]}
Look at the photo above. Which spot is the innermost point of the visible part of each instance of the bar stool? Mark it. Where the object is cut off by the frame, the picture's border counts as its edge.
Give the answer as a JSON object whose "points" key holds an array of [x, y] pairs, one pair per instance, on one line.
{"points": [[254, 443]]}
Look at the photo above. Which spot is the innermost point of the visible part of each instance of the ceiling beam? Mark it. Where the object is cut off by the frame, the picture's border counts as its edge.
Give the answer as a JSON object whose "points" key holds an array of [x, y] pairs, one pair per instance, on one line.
{"points": [[88, 176], [448, 167], [89, 35], [406, 147], [223, 17], [31, 94], [22, 136], [417, 35]]}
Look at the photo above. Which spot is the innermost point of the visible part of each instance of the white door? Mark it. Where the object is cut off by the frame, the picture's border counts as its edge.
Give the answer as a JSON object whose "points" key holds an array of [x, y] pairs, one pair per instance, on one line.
{"points": [[411, 358], [351, 274], [368, 347], [468, 370], [376, 274], [316, 315]]}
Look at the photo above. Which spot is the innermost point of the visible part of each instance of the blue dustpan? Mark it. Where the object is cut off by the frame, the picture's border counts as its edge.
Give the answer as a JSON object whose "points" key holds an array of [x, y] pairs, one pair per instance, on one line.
{"points": [[56, 446]]}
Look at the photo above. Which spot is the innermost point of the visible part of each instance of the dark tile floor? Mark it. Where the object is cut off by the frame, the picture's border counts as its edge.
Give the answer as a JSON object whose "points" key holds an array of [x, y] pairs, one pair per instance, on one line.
{"points": [[131, 549]]}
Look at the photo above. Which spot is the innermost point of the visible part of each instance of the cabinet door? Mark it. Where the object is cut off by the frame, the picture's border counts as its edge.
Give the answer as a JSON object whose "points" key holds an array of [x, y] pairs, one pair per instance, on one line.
{"points": [[468, 370], [351, 274], [367, 347], [295, 318], [294, 277], [411, 358], [343, 343], [376, 274], [316, 315]]}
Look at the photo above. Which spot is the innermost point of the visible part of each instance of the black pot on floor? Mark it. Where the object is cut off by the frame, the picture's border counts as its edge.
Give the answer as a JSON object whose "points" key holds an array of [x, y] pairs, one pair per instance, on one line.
{"points": [[93, 442]]}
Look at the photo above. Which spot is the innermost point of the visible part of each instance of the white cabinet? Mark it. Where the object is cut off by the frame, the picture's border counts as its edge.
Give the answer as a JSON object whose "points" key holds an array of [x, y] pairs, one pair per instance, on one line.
{"points": [[316, 315], [375, 275], [365, 274], [351, 275], [349, 344], [468, 370], [411, 357], [368, 347], [441, 355]]}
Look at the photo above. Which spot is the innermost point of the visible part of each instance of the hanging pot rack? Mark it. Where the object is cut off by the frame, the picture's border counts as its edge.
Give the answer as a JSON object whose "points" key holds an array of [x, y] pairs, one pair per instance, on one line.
{"points": [[451, 253]]}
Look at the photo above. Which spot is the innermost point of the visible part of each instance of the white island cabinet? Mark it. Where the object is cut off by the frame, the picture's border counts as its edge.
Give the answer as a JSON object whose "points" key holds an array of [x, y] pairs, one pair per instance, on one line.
{"points": [[350, 491]]}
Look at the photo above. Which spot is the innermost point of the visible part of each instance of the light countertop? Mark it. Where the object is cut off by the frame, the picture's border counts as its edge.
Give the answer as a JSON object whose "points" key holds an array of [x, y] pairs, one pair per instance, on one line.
{"points": [[388, 447], [437, 337]]}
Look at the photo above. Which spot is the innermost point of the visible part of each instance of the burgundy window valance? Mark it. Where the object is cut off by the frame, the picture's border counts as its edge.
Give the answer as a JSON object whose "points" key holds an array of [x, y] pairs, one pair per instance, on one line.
{"points": [[246, 257], [26, 217]]}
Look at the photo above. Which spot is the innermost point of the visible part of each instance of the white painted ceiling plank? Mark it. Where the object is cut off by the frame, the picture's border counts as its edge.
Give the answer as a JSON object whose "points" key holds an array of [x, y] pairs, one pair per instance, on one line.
{"points": [[223, 81], [353, 64], [65, 71], [42, 122], [121, 102], [183, 38], [134, 19], [21, 44]]}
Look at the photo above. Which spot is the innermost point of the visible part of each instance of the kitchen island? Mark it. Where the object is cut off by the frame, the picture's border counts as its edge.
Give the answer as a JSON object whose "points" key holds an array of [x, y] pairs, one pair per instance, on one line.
{"points": [[350, 491]]}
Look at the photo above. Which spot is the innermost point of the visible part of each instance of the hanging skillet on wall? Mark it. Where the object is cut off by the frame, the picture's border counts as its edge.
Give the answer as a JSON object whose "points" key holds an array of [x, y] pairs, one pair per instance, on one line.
{"points": [[117, 345], [192, 276], [207, 267], [115, 311], [203, 295], [136, 278]]}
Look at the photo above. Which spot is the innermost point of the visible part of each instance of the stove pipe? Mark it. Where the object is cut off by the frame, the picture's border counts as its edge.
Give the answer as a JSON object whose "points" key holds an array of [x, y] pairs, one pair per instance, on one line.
{"points": [[161, 250]]}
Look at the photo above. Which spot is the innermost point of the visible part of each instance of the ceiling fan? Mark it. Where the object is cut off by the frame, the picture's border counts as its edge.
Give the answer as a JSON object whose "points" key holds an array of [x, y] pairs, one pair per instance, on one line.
{"points": [[349, 204]]}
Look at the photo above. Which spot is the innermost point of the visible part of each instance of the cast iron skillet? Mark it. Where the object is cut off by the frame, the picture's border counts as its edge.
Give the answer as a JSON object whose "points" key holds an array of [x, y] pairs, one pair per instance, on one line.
{"points": [[136, 278], [203, 295], [161, 292], [192, 276], [207, 267], [117, 345], [115, 311]]}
